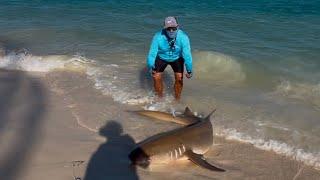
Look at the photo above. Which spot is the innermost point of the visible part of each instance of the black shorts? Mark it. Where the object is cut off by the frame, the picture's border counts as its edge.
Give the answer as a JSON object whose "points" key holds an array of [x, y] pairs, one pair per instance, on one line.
{"points": [[177, 65]]}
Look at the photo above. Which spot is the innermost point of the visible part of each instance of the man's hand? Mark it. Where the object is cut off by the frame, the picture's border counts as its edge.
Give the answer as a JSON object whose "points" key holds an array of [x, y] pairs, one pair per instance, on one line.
{"points": [[189, 75], [153, 72]]}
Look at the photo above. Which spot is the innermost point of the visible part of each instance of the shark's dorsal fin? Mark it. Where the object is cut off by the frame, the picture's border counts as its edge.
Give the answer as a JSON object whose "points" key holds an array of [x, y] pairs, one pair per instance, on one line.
{"points": [[200, 161], [187, 112]]}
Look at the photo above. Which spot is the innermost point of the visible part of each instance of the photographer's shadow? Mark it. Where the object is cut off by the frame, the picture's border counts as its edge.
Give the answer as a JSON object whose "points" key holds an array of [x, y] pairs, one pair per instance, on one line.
{"points": [[111, 161]]}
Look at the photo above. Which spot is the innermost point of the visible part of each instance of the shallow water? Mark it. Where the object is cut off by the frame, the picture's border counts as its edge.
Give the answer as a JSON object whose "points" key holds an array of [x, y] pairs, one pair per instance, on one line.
{"points": [[257, 62]]}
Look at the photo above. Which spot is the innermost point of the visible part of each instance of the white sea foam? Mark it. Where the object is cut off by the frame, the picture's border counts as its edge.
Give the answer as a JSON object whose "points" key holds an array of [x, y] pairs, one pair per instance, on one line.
{"points": [[27, 62], [270, 124], [107, 79], [312, 159]]}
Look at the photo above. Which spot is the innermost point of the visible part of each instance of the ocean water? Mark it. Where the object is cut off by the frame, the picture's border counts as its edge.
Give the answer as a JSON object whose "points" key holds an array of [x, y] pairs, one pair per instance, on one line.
{"points": [[257, 62]]}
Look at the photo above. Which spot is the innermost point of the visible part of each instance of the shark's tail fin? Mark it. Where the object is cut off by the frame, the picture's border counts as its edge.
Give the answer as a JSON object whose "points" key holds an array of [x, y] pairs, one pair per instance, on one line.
{"points": [[208, 117]]}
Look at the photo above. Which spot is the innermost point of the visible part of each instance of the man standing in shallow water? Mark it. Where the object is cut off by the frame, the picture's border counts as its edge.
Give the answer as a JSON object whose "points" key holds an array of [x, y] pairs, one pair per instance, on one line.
{"points": [[170, 46]]}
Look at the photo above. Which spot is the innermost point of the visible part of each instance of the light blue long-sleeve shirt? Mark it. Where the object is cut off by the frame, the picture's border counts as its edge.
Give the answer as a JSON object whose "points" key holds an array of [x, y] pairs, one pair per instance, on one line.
{"points": [[160, 47]]}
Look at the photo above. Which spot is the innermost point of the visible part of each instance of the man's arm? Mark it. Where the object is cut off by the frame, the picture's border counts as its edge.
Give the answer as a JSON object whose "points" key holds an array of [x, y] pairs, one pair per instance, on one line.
{"points": [[152, 52], [186, 54]]}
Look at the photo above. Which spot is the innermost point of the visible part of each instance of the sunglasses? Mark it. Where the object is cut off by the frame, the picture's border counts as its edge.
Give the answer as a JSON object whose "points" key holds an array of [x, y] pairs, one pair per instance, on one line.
{"points": [[171, 29]]}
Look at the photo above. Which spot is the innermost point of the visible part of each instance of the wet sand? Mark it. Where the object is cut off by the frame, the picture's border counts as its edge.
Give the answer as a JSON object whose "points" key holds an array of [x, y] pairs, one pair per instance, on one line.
{"points": [[57, 126]]}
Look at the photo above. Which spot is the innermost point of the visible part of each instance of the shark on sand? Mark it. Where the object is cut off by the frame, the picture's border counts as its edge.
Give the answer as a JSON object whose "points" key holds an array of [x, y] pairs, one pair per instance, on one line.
{"points": [[188, 142]]}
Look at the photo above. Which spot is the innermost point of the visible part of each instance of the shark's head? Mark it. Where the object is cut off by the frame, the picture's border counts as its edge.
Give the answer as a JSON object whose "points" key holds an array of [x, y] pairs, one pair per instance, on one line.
{"points": [[139, 157]]}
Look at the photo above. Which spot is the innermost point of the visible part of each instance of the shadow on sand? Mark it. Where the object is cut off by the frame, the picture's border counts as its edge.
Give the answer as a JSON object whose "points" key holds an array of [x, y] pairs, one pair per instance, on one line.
{"points": [[22, 106], [111, 161]]}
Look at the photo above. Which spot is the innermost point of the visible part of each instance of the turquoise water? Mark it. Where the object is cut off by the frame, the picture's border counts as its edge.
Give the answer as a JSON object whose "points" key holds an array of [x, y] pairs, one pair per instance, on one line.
{"points": [[257, 61], [262, 34]]}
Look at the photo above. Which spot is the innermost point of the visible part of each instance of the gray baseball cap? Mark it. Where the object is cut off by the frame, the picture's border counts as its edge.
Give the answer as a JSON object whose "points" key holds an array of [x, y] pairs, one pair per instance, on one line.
{"points": [[170, 22]]}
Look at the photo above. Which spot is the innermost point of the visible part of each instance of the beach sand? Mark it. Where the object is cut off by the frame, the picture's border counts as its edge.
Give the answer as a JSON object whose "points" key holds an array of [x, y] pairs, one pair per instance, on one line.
{"points": [[57, 126]]}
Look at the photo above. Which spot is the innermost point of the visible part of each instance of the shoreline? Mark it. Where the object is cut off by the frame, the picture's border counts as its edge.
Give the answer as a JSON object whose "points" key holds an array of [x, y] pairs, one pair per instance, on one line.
{"points": [[83, 132]]}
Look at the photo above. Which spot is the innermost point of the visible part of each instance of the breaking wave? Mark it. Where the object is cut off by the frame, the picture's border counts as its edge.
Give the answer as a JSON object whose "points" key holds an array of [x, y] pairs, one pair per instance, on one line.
{"points": [[311, 159], [217, 67], [28, 62]]}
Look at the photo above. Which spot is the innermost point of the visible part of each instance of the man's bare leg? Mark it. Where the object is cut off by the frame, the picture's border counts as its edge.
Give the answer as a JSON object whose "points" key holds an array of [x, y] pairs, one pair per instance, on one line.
{"points": [[158, 86], [178, 85]]}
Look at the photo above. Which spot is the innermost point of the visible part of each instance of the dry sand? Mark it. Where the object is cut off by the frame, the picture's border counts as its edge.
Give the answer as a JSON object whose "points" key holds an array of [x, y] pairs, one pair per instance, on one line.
{"points": [[57, 126]]}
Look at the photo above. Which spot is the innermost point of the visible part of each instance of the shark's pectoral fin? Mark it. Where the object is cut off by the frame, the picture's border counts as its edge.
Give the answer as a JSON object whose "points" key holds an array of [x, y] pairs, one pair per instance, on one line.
{"points": [[200, 161]]}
